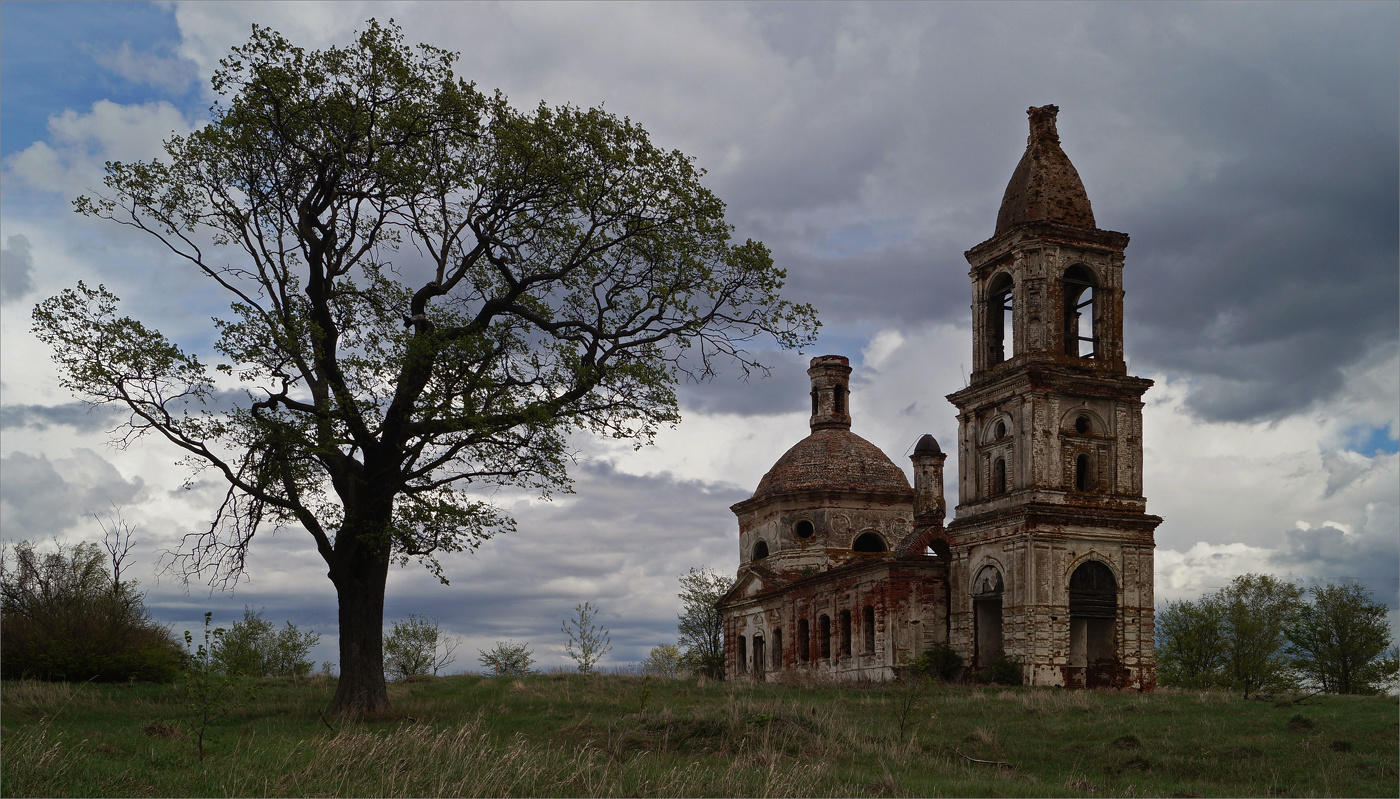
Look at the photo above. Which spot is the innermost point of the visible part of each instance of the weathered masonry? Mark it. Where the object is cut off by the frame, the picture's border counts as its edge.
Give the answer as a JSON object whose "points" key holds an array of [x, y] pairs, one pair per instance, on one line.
{"points": [[847, 571]]}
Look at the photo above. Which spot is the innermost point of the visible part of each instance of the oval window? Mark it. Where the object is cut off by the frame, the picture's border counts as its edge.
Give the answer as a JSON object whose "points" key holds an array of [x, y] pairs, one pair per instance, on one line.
{"points": [[804, 529]]}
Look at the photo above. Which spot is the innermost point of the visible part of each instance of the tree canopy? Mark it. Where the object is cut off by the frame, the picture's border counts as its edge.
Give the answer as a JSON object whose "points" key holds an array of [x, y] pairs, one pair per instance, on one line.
{"points": [[430, 290], [701, 625], [1258, 634]]}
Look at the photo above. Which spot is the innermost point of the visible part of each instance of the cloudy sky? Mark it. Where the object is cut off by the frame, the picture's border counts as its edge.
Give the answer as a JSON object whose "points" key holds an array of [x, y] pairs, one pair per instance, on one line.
{"points": [[1250, 150]]}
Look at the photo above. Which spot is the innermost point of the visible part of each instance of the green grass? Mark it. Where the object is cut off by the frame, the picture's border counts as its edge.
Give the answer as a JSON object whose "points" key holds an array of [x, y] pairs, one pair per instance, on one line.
{"points": [[557, 735]]}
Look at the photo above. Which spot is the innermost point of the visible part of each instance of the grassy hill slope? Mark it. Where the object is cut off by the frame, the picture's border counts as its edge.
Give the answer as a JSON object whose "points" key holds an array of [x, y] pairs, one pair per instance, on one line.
{"points": [[613, 735]]}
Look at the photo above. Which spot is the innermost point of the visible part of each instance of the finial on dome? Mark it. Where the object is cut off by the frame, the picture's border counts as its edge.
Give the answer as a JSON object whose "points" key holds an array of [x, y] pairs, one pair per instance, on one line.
{"points": [[1045, 186]]}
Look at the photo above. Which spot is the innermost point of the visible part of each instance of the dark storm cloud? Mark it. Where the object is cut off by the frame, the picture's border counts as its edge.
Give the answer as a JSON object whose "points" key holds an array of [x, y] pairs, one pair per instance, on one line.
{"points": [[1327, 554], [1250, 151], [16, 270], [80, 416], [1268, 281], [43, 498], [731, 392], [91, 419], [620, 542]]}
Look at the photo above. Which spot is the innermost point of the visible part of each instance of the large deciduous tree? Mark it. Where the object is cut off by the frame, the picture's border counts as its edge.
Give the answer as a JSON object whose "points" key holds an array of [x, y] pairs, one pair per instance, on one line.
{"points": [[430, 292], [1339, 640]]}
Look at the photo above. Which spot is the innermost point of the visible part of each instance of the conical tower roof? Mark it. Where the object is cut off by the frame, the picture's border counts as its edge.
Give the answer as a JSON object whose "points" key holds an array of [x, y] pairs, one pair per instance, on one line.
{"points": [[1045, 186]]}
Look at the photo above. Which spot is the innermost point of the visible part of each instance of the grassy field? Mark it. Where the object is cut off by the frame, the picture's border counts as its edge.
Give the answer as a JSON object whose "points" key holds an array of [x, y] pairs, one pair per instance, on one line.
{"points": [[614, 735]]}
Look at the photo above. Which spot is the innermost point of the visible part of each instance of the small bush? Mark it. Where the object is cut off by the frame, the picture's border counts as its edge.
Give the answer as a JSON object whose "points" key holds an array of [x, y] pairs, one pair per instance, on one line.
{"points": [[507, 659], [417, 648], [1003, 670], [664, 661], [255, 648], [940, 662], [1341, 746]]}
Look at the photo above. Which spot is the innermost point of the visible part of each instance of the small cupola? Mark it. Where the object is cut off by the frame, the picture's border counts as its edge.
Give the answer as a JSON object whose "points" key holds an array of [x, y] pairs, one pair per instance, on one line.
{"points": [[1045, 186], [831, 392]]}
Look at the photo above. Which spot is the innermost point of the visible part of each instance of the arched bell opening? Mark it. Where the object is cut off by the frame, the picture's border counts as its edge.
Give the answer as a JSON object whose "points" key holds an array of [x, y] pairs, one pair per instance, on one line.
{"points": [[1081, 290], [1001, 315], [987, 614], [1093, 626]]}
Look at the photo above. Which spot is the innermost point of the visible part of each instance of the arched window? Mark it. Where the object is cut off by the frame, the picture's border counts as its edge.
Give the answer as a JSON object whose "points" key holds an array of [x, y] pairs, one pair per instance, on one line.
{"points": [[824, 631], [803, 529], [760, 550], [868, 628], [804, 641], [868, 542], [743, 655], [1082, 478], [839, 400], [1081, 291], [1000, 319], [845, 633], [777, 649], [999, 476], [816, 405]]}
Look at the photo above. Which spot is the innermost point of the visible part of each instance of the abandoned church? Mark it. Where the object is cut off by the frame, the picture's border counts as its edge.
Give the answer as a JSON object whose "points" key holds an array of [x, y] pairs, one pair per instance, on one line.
{"points": [[847, 573]]}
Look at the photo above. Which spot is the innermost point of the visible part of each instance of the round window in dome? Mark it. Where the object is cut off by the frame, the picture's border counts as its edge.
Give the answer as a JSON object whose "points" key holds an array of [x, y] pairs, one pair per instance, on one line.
{"points": [[804, 529]]}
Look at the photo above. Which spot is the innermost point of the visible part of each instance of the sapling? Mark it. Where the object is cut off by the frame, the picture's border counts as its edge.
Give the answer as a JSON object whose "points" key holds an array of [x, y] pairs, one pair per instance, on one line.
{"points": [[210, 692]]}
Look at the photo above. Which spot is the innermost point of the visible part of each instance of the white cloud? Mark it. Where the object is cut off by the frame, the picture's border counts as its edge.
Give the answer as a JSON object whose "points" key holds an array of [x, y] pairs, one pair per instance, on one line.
{"points": [[16, 269], [71, 161], [169, 73]]}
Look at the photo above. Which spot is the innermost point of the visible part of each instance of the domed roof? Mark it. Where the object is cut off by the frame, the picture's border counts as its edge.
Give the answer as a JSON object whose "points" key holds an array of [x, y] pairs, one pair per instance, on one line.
{"points": [[1045, 186], [833, 459], [928, 445]]}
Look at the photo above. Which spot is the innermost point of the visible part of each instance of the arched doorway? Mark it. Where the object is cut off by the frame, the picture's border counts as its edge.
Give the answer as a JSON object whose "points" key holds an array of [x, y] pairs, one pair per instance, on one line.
{"points": [[1093, 627], [986, 604]]}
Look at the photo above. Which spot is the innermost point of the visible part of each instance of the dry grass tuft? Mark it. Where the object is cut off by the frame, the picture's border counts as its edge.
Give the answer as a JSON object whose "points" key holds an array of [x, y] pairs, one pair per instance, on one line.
{"points": [[162, 730]]}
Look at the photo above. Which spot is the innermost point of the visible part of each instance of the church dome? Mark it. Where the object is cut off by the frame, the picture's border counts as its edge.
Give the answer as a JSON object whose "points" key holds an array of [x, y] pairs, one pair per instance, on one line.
{"points": [[1045, 186], [833, 460]]}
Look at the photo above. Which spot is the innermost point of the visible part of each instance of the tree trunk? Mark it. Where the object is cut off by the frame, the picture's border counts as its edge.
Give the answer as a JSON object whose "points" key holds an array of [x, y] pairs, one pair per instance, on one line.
{"points": [[359, 588]]}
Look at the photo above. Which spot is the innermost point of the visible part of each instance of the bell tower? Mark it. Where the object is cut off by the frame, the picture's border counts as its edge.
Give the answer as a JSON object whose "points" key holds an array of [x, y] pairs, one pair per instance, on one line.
{"points": [[1052, 546]]}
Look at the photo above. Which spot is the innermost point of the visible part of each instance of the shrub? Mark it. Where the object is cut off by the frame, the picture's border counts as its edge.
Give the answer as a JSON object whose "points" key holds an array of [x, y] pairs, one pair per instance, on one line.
{"points": [[940, 662], [664, 660], [412, 649], [1003, 670], [507, 659], [65, 617], [255, 648]]}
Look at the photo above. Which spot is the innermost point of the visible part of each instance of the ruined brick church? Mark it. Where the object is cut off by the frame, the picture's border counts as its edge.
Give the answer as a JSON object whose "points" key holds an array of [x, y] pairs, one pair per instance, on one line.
{"points": [[847, 573]]}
